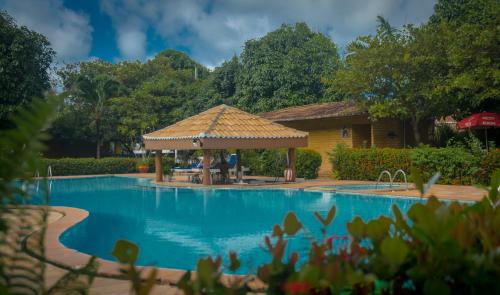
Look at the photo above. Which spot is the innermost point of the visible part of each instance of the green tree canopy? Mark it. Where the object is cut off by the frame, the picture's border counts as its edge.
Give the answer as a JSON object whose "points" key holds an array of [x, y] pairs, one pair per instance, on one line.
{"points": [[397, 73], [120, 102], [25, 58], [90, 89], [471, 29], [225, 78], [284, 68], [460, 12]]}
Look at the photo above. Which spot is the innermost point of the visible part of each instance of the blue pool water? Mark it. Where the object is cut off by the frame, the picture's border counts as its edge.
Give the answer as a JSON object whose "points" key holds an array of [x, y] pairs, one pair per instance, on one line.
{"points": [[176, 226]]}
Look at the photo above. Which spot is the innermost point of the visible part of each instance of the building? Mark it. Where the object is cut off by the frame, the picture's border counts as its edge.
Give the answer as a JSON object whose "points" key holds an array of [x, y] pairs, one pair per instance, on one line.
{"points": [[344, 122]]}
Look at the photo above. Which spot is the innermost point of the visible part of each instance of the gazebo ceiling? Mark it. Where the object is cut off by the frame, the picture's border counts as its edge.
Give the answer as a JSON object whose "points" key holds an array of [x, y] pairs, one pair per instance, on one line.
{"points": [[225, 127]]}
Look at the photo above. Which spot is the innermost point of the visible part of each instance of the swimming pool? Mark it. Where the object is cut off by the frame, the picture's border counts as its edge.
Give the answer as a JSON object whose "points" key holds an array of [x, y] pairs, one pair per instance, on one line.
{"points": [[174, 227]]}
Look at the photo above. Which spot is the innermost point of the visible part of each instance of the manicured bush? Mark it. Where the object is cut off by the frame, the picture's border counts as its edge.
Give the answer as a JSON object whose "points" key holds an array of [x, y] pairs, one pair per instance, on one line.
{"points": [[88, 166], [308, 163], [457, 165], [273, 162], [366, 164]]}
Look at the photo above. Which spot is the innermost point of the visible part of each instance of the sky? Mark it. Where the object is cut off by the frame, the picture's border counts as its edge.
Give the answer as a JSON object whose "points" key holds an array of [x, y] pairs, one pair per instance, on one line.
{"points": [[209, 31]]}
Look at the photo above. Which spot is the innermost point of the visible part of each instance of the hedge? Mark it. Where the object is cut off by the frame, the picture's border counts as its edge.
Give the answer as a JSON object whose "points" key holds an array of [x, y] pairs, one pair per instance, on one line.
{"points": [[273, 162], [267, 163], [457, 165], [87, 166]]}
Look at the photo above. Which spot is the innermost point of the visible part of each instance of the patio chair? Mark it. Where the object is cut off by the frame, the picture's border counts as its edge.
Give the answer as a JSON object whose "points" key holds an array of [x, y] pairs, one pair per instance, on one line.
{"points": [[232, 166]]}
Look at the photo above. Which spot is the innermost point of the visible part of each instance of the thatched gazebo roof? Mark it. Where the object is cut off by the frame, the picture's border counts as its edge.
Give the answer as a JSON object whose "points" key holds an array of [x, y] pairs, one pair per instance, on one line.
{"points": [[225, 127]]}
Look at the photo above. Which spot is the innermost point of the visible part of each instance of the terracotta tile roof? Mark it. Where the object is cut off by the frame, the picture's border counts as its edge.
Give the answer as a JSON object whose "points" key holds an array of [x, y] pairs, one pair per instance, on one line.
{"points": [[224, 122], [315, 111]]}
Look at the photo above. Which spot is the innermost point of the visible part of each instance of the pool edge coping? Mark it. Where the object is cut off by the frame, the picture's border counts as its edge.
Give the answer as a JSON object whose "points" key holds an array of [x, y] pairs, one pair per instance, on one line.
{"points": [[70, 259]]}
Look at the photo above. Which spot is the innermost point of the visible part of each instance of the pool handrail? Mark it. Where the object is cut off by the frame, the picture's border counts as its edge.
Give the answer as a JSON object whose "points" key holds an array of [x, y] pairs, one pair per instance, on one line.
{"points": [[380, 177], [404, 176]]}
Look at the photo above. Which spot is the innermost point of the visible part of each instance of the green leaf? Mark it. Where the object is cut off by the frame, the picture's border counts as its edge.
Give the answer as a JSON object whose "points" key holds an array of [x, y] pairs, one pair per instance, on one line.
{"points": [[494, 187], [291, 224], [205, 271], [378, 228], [234, 262], [329, 217], [125, 251], [394, 250], [416, 176], [277, 231], [310, 274], [356, 227], [400, 220], [149, 283]]}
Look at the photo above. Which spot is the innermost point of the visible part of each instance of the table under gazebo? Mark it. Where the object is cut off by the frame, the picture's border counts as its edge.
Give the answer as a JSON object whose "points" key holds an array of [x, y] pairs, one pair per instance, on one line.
{"points": [[224, 127]]}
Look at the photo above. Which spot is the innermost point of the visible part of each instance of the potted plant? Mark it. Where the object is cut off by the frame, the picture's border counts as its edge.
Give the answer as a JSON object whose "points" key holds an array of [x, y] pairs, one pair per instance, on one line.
{"points": [[168, 170], [143, 165]]}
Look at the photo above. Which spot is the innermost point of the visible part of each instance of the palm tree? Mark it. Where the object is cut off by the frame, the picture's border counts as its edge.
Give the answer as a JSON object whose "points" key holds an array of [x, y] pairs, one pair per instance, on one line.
{"points": [[94, 91]]}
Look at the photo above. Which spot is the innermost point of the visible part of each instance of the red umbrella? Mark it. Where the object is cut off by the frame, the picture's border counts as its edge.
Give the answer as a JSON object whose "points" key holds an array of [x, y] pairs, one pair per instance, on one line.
{"points": [[480, 121]]}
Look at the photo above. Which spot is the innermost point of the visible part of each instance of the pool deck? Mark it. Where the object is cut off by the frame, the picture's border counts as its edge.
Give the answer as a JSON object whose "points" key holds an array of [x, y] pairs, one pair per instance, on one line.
{"points": [[109, 281], [440, 191]]}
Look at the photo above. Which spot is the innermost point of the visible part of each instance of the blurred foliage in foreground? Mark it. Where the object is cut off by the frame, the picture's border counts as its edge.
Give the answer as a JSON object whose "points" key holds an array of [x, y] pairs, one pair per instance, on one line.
{"points": [[20, 147]]}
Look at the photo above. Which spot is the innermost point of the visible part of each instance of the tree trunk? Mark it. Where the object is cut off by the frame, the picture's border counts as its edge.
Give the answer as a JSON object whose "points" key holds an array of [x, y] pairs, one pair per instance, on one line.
{"points": [[416, 131], [98, 137], [98, 150]]}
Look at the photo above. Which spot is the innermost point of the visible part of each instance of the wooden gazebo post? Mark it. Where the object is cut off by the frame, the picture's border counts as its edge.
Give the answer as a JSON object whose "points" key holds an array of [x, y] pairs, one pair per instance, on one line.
{"points": [[291, 164], [238, 166], [206, 168], [158, 166]]}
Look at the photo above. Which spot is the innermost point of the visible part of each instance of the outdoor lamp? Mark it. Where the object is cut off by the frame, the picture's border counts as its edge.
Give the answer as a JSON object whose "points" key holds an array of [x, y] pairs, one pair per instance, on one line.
{"points": [[197, 142]]}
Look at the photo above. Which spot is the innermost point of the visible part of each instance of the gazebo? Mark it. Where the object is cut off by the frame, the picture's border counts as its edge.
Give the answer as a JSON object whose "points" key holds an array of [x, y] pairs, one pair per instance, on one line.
{"points": [[224, 127]]}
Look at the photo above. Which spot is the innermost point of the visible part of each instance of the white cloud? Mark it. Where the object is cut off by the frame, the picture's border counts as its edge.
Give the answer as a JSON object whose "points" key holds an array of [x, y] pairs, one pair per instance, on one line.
{"points": [[69, 32], [216, 30], [132, 43]]}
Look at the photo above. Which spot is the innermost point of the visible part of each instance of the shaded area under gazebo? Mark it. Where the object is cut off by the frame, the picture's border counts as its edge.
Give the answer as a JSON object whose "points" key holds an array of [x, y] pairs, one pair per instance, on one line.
{"points": [[224, 127]]}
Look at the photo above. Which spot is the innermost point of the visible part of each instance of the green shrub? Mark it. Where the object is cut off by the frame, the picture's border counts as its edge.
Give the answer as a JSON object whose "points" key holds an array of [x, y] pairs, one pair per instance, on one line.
{"points": [[88, 166], [168, 164], [366, 164], [273, 162], [308, 163], [457, 165], [489, 164]]}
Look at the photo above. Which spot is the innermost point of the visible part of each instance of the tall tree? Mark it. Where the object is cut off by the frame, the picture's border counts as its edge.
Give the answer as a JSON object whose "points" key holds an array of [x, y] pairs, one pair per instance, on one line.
{"points": [[397, 73], [471, 29], [90, 87], [225, 77], [284, 68], [25, 58], [460, 12]]}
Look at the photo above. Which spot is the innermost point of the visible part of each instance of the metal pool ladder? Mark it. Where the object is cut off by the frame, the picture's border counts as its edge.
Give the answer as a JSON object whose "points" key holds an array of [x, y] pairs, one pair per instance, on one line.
{"points": [[391, 178], [404, 177], [49, 172]]}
